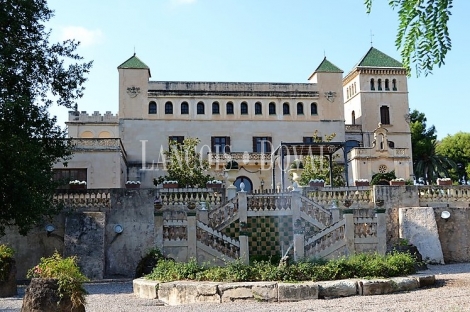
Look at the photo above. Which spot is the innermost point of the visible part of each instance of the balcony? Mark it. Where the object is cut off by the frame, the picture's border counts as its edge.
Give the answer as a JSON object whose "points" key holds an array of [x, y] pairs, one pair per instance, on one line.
{"points": [[240, 157]]}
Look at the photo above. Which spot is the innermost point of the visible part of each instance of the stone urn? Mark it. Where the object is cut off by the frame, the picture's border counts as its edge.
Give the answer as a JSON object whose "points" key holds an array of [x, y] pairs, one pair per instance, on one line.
{"points": [[8, 281], [231, 176], [42, 294], [296, 174]]}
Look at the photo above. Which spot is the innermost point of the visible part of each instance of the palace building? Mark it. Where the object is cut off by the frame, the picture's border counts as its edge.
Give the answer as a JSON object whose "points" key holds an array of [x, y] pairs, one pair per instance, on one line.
{"points": [[367, 110]]}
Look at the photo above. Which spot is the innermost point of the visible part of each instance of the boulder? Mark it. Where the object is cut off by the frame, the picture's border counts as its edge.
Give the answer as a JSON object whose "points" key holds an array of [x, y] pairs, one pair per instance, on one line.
{"points": [[42, 295]]}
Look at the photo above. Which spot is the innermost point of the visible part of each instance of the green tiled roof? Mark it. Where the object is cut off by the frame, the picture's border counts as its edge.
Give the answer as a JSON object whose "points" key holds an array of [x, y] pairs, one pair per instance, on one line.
{"points": [[134, 63], [327, 67], [375, 58]]}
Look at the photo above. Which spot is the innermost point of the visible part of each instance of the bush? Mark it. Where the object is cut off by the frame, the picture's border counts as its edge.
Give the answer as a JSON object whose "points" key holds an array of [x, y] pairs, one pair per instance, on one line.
{"points": [[66, 272], [356, 266], [6, 261], [148, 262], [383, 178], [231, 165]]}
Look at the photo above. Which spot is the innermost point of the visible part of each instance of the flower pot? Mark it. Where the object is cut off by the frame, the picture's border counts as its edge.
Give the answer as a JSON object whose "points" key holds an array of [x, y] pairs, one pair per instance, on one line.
{"points": [[397, 183], [447, 182], [132, 186], [77, 186], [43, 295], [316, 184], [296, 174], [8, 280], [214, 185], [361, 183], [170, 185]]}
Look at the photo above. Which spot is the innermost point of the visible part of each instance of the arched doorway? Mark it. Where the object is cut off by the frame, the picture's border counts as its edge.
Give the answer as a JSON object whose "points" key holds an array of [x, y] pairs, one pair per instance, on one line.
{"points": [[248, 184]]}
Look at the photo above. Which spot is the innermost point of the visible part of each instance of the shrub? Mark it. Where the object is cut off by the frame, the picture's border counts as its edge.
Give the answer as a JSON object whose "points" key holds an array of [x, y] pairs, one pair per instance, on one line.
{"points": [[383, 178], [149, 261], [231, 165], [66, 272], [356, 266], [6, 261]]}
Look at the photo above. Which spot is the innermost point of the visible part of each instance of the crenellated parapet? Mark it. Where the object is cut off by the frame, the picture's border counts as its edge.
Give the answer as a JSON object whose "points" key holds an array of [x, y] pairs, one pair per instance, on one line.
{"points": [[83, 116]]}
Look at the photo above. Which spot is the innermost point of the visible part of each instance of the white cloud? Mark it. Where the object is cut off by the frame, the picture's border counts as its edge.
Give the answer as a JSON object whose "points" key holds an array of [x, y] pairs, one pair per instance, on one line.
{"points": [[86, 37], [183, 1]]}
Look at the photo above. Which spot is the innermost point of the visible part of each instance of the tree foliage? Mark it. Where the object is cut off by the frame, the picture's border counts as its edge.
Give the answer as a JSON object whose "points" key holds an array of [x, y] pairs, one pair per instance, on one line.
{"points": [[318, 167], [185, 164], [423, 35], [427, 162], [457, 148], [33, 76]]}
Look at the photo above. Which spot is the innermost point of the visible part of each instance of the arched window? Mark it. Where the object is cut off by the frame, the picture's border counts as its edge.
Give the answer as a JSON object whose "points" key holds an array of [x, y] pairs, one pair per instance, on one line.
{"points": [[372, 85], [229, 108], [387, 85], [258, 108], [300, 108], [272, 108], [313, 109], [184, 108], [285, 108], [215, 108], [244, 108], [394, 84], [384, 115], [347, 93], [152, 107], [353, 117], [200, 108], [168, 108], [379, 84], [354, 91]]}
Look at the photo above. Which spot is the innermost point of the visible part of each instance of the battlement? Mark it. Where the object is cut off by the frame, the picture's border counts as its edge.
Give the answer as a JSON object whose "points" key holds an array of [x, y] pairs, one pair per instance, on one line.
{"points": [[108, 117]]}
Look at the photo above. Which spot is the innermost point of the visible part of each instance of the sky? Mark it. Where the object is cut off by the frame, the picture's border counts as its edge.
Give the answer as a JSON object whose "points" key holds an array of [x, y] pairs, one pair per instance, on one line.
{"points": [[252, 41]]}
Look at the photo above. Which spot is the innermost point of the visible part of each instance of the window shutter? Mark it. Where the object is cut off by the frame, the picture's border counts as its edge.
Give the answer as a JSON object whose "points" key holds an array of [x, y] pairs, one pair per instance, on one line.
{"points": [[254, 145]]}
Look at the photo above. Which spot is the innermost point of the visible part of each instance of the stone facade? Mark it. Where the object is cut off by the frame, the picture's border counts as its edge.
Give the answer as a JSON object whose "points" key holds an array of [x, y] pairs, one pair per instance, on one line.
{"points": [[252, 119]]}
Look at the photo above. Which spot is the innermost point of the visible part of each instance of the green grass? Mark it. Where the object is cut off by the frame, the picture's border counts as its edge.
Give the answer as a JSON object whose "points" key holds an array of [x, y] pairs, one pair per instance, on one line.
{"points": [[356, 266]]}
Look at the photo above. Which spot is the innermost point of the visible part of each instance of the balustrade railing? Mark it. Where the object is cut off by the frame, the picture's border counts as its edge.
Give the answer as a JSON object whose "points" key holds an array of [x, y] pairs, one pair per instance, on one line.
{"points": [[325, 239], [269, 202], [350, 197], [181, 197], [316, 212], [224, 215], [365, 227], [443, 193], [217, 241], [87, 198], [175, 230]]}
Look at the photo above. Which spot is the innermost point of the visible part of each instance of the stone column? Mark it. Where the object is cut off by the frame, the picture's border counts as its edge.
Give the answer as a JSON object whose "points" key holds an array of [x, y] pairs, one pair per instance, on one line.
{"points": [[381, 231], [191, 231], [204, 216], [349, 231], [243, 237], [298, 230], [158, 228]]}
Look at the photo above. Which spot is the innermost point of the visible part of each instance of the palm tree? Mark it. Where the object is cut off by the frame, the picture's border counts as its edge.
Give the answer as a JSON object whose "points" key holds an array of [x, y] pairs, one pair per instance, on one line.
{"points": [[431, 165]]}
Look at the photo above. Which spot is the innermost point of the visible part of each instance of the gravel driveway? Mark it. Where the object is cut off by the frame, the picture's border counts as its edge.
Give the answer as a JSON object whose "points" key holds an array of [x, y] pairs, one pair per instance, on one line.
{"points": [[451, 293]]}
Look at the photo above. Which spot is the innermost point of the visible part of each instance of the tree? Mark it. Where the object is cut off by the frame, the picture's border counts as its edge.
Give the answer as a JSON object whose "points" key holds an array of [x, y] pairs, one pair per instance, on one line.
{"points": [[317, 167], [457, 148], [427, 163], [32, 78], [185, 164], [423, 35]]}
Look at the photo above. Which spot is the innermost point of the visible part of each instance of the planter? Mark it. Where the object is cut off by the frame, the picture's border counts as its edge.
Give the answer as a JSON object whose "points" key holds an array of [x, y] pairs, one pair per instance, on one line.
{"points": [[397, 183], [440, 182], [361, 183], [170, 185], [43, 295], [317, 184], [8, 282], [296, 174], [132, 186], [77, 186], [214, 185]]}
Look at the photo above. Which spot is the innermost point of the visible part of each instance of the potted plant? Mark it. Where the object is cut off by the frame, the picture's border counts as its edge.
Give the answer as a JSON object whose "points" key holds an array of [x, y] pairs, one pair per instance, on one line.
{"points": [[59, 283], [231, 170], [444, 181], [362, 182], [214, 184], [316, 183], [296, 169], [170, 184], [77, 185], [132, 184], [397, 182], [8, 287]]}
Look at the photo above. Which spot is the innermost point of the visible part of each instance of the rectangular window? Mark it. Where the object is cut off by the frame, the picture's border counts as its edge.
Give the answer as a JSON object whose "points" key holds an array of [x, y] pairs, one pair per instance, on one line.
{"points": [[308, 140], [384, 115], [176, 138], [64, 176], [262, 144], [220, 145]]}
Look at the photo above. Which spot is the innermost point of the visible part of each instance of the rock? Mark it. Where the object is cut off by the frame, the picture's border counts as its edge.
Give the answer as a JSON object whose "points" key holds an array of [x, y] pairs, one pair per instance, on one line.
{"points": [[42, 295], [8, 286]]}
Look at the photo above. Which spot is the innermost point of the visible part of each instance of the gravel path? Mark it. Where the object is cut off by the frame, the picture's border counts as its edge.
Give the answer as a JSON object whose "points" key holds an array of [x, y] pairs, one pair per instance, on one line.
{"points": [[452, 293]]}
